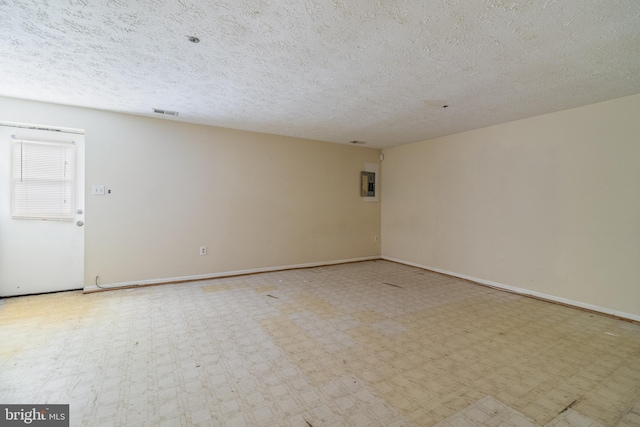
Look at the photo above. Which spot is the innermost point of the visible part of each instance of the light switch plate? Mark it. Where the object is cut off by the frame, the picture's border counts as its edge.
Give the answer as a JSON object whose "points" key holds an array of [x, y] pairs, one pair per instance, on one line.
{"points": [[97, 190]]}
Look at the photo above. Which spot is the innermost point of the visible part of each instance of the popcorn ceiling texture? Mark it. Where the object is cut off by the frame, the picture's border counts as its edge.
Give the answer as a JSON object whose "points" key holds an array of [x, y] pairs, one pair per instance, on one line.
{"points": [[328, 70]]}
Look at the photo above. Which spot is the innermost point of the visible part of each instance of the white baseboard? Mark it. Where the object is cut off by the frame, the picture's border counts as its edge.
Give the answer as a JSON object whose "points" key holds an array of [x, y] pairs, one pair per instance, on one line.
{"points": [[94, 288], [523, 291]]}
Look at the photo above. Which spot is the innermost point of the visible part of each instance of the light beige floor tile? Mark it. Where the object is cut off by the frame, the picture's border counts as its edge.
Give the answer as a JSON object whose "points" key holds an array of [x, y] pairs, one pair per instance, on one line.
{"points": [[331, 345]]}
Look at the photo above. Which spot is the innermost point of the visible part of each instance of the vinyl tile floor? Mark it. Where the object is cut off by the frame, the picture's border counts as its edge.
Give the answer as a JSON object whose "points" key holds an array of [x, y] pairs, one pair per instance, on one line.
{"points": [[372, 343]]}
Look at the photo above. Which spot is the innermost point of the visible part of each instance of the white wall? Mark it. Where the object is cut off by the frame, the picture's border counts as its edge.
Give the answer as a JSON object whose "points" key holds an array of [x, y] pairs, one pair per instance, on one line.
{"points": [[254, 200], [549, 204]]}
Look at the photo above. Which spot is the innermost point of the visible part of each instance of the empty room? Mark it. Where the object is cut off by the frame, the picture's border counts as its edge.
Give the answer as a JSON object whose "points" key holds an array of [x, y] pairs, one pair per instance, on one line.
{"points": [[320, 213]]}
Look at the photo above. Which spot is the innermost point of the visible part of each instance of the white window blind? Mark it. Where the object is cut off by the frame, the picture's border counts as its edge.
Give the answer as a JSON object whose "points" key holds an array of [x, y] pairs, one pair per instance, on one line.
{"points": [[42, 175]]}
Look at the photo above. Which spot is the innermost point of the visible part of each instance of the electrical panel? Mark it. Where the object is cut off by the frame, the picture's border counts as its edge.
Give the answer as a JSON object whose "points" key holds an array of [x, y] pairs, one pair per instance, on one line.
{"points": [[367, 184]]}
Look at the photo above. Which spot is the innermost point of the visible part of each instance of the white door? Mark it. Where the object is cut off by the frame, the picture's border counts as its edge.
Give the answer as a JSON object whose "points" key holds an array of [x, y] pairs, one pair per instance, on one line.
{"points": [[41, 251]]}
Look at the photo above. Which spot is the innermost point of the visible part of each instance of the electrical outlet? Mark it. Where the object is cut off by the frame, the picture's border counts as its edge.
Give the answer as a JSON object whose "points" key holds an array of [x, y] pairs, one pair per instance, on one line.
{"points": [[203, 250], [376, 238]]}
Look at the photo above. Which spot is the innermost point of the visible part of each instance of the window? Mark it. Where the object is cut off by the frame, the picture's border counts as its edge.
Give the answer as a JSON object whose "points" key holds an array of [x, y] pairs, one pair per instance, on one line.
{"points": [[42, 175]]}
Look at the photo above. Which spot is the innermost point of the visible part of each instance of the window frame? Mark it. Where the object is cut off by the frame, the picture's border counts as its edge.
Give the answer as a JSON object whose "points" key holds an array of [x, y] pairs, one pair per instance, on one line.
{"points": [[36, 173]]}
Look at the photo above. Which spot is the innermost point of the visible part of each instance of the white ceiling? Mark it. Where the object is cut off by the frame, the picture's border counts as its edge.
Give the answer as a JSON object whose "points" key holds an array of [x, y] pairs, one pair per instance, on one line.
{"points": [[341, 70]]}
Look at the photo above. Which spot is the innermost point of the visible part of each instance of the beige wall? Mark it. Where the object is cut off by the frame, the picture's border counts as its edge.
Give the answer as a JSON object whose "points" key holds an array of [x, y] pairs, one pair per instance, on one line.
{"points": [[550, 204], [254, 200]]}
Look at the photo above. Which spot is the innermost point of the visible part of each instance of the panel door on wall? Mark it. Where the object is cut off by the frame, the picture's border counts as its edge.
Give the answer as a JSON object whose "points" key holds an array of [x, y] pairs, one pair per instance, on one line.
{"points": [[41, 210]]}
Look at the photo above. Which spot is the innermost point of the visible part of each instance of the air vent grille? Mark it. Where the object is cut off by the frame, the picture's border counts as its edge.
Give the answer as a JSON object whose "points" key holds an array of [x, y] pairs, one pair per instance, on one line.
{"points": [[165, 112]]}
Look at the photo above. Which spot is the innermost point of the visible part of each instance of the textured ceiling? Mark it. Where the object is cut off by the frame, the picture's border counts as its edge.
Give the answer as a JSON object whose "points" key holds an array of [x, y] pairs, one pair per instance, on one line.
{"points": [[336, 70]]}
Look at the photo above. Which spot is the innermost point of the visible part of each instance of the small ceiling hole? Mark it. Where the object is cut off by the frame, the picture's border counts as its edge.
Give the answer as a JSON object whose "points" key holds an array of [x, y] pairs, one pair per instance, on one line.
{"points": [[357, 142], [445, 106], [194, 39]]}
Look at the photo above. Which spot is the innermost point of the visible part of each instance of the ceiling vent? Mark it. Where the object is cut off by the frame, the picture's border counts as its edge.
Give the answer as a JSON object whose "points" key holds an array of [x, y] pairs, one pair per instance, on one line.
{"points": [[165, 112], [357, 142]]}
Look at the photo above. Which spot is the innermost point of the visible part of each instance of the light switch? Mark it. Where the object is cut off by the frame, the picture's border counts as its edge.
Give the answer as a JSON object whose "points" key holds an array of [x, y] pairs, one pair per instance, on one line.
{"points": [[97, 190]]}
